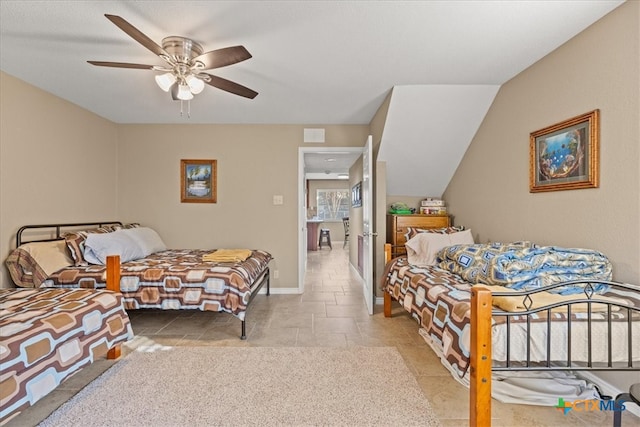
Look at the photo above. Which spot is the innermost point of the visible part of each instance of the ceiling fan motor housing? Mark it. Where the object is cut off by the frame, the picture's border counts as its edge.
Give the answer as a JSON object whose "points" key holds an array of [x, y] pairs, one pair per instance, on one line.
{"points": [[181, 49]]}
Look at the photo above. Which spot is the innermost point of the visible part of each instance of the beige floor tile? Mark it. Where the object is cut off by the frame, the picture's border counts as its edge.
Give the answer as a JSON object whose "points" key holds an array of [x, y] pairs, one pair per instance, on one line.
{"points": [[290, 320], [343, 325], [357, 312], [319, 296]]}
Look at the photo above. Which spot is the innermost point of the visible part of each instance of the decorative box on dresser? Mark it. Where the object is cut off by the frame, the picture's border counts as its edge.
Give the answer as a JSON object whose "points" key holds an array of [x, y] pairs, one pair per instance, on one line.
{"points": [[397, 226]]}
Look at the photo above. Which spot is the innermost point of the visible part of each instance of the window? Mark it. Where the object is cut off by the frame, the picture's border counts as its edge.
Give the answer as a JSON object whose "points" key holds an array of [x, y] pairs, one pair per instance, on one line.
{"points": [[332, 204]]}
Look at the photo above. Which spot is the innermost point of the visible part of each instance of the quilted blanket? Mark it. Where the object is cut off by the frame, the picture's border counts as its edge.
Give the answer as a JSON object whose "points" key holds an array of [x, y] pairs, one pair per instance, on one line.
{"points": [[47, 335], [525, 266], [176, 279]]}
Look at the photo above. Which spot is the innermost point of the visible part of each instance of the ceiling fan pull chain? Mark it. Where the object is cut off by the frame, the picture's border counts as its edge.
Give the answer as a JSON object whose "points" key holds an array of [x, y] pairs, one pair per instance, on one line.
{"points": [[189, 109], [181, 107]]}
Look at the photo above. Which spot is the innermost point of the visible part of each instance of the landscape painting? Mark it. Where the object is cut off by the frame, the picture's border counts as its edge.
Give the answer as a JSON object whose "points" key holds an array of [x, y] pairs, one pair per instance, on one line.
{"points": [[198, 181]]}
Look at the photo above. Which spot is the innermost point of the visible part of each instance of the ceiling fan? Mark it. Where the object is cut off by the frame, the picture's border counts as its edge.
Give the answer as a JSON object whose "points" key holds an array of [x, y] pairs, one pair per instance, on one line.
{"points": [[184, 74]]}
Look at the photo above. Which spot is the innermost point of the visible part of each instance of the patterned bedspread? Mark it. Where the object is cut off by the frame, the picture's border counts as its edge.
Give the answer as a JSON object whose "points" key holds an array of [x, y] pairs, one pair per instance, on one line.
{"points": [[48, 335], [175, 279], [440, 302], [525, 266]]}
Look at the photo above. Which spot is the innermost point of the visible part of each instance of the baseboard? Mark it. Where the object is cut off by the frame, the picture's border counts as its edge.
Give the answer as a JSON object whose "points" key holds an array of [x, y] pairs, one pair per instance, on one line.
{"points": [[608, 389]]}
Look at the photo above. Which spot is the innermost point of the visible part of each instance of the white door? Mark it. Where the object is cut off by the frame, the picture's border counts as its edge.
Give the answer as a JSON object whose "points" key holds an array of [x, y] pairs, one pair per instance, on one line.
{"points": [[367, 223]]}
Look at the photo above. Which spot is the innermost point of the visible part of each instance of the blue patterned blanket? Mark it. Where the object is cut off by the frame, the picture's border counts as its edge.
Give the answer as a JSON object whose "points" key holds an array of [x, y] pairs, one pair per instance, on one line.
{"points": [[525, 266]]}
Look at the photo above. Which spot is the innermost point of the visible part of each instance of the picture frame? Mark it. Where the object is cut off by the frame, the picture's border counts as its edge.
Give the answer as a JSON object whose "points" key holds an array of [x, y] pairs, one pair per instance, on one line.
{"points": [[198, 181], [356, 195], [565, 156]]}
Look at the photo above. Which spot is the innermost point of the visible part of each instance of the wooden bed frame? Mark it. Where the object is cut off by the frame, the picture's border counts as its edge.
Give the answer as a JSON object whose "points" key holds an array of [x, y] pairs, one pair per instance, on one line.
{"points": [[482, 312], [56, 232]]}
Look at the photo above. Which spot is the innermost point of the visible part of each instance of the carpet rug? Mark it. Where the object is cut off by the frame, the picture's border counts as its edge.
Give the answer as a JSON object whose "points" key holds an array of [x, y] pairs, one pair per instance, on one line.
{"points": [[242, 386]]}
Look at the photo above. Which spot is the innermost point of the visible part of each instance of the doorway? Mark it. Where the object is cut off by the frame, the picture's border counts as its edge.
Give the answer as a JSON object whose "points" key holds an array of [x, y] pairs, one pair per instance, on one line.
{"points": [[318, 172]]}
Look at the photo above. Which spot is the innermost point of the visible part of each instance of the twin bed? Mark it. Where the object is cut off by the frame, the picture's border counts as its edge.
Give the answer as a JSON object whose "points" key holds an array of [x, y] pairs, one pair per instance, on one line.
{"points": [[495, 310], [75, 283]]}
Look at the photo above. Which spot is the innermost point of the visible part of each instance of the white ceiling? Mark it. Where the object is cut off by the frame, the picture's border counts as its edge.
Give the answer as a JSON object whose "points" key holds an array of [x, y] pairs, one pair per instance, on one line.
{"points": [[314, 62]]}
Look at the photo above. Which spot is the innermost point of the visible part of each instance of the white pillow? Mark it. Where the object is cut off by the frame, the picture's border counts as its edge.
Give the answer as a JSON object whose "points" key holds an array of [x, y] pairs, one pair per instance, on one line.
{"points": [[98, 246], [147, 239], [423, 247]]}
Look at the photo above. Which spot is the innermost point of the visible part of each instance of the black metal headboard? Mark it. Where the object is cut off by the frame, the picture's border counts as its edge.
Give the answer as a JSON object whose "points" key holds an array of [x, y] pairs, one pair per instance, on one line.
{"points": [[56, 229]]}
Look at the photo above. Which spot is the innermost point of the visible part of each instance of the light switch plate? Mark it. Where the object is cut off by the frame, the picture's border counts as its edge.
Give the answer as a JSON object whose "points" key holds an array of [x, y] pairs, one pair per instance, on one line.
{"points": [[278, 200]]}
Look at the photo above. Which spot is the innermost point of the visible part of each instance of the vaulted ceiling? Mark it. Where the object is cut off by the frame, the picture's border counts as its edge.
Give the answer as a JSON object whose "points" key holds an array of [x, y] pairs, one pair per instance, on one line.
{"points": [[314, 62]]}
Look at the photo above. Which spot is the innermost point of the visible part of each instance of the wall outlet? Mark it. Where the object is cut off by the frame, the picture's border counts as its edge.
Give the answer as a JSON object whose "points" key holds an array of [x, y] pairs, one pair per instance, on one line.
{"points": [[278, 200], [276, 274]]}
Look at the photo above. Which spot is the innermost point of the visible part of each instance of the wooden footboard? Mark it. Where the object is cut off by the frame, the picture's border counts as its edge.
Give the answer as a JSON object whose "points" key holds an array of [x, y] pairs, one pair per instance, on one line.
{"points": [[388, 255], [480, 360], [113, 284]]}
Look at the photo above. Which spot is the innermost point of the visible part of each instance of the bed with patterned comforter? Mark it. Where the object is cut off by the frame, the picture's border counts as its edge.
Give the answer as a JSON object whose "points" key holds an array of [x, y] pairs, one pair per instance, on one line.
{"points": [[440, 301], [50, 334], [176, 279]]}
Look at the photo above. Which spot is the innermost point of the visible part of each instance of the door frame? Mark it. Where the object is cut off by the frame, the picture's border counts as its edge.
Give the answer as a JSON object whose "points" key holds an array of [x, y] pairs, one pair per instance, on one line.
{"points": [[302, 211]]}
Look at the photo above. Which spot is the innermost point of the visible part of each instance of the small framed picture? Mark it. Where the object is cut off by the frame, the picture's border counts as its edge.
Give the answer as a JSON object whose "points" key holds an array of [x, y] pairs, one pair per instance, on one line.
{"points": [[198, 181], [565, 156], [356, 195]]}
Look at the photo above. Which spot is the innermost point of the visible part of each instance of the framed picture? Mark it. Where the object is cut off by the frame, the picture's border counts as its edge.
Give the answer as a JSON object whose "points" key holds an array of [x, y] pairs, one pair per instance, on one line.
{"points": [[565, 156], [356, 195], [198, 181]]}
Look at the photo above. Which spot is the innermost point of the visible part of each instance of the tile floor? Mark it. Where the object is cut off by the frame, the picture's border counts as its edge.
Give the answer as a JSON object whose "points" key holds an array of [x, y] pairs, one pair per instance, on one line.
{"points": [[330, 312]]}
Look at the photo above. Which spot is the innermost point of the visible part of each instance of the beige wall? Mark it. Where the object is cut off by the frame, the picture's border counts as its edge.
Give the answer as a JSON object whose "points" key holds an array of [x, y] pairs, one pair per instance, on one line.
{"points": [[489, 193], [61, 163], [58, 163], [255, 162]]}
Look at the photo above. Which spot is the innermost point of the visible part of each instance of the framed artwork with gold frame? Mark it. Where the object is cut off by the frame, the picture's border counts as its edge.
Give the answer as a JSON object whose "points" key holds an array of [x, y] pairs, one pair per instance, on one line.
{"points": [[565, 156], [198, 182]]}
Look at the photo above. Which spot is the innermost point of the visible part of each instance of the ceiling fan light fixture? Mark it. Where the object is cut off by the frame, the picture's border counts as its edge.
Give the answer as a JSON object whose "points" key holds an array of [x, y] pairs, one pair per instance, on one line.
{"points": [[184, 93], [183, 74], [165, 81], [195, 84]]}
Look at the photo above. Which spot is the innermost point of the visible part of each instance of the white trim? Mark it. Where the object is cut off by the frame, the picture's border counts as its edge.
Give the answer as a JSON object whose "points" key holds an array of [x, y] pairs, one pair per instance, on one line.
{"points": [[302, 212]]}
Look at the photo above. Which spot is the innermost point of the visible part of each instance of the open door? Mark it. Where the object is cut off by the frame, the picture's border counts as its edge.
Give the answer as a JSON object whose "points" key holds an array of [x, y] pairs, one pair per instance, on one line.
{"points": [[367, 224]]}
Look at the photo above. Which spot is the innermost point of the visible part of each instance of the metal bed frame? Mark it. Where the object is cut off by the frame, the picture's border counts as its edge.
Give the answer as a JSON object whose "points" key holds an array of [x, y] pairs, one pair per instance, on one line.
{"points": [[482, 312]]}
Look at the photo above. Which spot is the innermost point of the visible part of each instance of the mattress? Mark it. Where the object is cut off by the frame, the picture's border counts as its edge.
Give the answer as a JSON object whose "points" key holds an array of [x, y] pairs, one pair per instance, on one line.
{"points": [[48, 335], [175, 279]]}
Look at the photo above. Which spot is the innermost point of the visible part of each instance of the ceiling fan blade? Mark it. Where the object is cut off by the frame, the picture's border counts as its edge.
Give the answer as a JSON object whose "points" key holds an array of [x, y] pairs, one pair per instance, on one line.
{"points": [[231, 87], [136, 34], [223, 57], [121, 65]]}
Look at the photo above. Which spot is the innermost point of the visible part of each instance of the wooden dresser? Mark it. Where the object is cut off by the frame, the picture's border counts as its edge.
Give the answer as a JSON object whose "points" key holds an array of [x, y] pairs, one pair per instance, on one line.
{"points": [[397, 226]]}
